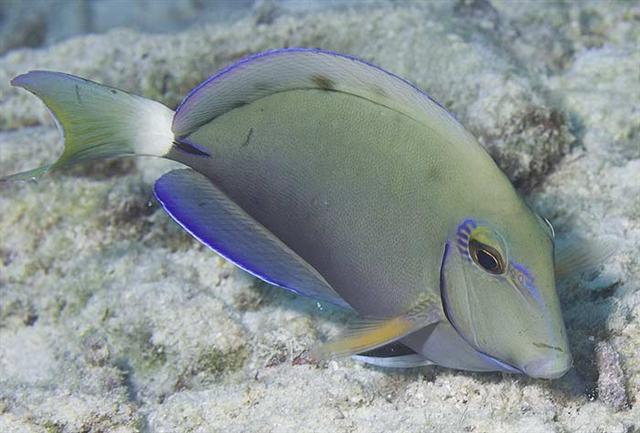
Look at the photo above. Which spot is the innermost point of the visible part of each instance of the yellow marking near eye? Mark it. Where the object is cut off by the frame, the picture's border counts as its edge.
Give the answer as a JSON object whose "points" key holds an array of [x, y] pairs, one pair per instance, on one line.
{"points": [[481, 234]]}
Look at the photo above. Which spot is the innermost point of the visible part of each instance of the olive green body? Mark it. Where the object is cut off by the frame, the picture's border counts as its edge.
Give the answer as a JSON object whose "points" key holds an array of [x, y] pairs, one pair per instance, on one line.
{"points": [[363, 193]]}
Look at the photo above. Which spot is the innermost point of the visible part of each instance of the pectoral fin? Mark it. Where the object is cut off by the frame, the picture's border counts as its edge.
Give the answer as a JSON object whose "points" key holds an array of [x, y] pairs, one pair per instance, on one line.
{"points": [[575, 256], [371, 333]]}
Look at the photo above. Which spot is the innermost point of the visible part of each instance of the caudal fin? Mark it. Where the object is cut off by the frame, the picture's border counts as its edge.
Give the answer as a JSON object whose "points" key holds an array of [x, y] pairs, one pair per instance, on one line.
{"points": [[97, 121]]}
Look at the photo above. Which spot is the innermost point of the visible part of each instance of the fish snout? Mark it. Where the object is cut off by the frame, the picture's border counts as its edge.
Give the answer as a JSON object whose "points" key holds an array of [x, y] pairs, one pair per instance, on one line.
{"points": [[549, 367]]}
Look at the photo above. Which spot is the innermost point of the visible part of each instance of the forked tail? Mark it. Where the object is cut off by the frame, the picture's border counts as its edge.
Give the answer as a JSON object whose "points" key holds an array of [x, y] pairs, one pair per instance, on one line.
{"points": [[97, 121]]}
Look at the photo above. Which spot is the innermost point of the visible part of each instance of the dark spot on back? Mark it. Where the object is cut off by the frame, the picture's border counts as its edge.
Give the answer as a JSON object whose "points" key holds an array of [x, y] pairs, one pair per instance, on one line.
{"points": [[113, 91], [377, 90], [323, 82]]}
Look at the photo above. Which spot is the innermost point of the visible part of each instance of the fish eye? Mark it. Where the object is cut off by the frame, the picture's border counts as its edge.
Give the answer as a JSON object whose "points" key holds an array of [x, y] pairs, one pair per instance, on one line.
{"points": [[487, 257]]}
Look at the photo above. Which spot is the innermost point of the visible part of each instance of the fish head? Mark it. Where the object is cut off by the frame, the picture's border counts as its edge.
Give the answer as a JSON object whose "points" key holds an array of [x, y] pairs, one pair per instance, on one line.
{"points": [[498, 292]]}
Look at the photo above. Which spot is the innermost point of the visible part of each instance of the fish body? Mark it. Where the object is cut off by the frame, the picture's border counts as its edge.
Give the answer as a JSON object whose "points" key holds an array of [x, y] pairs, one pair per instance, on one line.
{"points": [[364, 198], [335, 179]]}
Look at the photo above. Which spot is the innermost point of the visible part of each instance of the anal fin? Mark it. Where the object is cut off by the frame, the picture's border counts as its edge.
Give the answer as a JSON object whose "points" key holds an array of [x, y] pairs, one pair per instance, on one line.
{"points": [[215, 220]]}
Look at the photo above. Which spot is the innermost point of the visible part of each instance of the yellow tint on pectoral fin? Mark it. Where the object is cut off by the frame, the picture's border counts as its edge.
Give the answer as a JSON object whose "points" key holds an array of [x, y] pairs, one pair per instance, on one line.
{"points": [[371, 333]]}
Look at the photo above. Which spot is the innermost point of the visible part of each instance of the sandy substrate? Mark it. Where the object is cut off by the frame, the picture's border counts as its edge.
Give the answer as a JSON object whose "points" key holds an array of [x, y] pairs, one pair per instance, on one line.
{"points": [[113, 319]]}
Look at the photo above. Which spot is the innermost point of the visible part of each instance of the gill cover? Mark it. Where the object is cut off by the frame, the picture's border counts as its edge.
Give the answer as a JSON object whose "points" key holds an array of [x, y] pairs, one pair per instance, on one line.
{"points": [[496, 304]]}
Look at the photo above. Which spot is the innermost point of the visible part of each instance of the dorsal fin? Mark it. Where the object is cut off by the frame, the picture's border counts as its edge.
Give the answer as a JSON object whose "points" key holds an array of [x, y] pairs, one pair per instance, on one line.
{"points": [[282, 70]]}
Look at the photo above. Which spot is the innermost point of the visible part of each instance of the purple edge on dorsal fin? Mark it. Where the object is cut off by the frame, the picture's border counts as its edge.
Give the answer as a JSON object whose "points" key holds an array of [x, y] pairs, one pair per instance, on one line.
{"points": [[274, 52]]}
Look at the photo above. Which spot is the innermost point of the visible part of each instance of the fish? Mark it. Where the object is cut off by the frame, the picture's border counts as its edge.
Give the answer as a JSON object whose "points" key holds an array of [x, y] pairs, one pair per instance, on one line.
{"points": [[335, 179]]}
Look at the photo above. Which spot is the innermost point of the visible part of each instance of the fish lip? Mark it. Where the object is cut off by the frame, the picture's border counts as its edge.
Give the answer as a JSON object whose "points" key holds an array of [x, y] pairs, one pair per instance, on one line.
{"points": [[541, 368], [498, 363], [501, 365]]}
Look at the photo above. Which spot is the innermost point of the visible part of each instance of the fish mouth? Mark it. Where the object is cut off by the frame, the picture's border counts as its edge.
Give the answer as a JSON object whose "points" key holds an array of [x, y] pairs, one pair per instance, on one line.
{"points": [[499, 364], [548, 367]]}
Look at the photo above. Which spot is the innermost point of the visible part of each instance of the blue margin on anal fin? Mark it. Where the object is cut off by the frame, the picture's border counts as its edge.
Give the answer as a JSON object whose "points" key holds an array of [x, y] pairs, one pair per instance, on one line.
{"points": [[211, 217]]}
